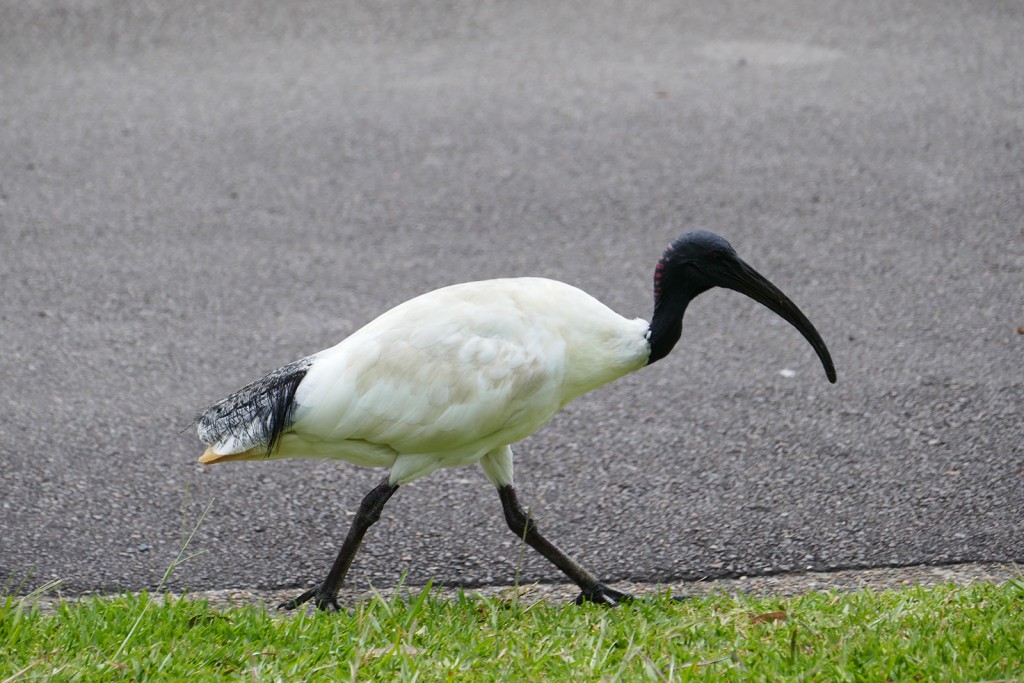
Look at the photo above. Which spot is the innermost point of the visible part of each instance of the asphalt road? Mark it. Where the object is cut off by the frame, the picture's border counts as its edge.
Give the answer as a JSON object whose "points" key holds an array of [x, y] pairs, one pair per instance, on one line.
{"points": [[193, 196]]}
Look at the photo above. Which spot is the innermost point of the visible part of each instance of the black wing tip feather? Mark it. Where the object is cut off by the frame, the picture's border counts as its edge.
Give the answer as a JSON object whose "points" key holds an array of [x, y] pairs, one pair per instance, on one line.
{"points": [[282, 408], [262, 410]]}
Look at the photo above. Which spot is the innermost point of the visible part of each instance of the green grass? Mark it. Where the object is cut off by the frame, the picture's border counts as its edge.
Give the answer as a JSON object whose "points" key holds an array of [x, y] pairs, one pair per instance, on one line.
{"points": [[948, 633]]}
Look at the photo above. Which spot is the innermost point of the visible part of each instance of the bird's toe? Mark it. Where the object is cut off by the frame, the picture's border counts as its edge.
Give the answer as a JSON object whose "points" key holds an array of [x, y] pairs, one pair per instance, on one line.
{"points": [[603, 595], [327, 603], [300, 600]]}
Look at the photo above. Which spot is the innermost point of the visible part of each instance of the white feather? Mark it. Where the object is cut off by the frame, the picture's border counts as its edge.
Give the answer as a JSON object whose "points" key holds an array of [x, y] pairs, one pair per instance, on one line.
{"points": [[450, 376]]}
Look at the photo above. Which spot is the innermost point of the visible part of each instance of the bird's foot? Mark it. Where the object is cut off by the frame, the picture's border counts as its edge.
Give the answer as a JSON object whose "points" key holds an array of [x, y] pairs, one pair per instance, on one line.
{"points": [[603, 595], [325, 602]]}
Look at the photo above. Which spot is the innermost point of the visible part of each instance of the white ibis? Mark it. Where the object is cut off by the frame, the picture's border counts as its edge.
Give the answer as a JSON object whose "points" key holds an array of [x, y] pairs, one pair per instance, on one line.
{"points": [[456, 375]]}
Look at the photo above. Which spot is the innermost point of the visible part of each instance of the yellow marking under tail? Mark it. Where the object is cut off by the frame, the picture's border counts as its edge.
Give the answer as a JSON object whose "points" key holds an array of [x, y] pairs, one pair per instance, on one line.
{"points": [[209, 457]]}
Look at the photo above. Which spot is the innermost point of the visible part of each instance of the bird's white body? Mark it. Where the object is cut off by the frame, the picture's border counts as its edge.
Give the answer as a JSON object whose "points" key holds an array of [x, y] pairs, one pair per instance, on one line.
{"points": [[450, 378]]}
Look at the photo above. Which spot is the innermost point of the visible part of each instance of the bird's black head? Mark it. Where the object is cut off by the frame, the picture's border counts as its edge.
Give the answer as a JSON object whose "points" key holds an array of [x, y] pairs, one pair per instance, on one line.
{"points": [[689, 260], [699, 260]]}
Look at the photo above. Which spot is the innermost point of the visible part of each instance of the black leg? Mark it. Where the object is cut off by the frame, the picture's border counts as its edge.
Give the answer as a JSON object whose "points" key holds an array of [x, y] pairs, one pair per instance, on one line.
{"points": [[369, 512], [520, 523]]}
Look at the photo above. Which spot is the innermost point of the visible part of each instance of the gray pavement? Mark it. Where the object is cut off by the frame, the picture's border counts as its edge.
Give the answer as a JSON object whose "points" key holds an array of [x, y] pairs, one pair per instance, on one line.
{"points": [[193, 196]]}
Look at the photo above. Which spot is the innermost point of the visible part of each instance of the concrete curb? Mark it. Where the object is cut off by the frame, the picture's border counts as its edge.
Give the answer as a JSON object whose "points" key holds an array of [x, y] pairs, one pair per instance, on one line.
{"points": [[780, 585]]}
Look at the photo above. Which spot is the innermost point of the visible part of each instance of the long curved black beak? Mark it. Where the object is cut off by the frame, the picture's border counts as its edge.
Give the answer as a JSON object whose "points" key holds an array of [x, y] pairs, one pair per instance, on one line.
{"points": [[737, 275]]}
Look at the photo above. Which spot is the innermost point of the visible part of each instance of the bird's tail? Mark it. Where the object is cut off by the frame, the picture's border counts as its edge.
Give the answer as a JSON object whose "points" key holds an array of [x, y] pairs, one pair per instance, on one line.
{"points": [[249, 424]]}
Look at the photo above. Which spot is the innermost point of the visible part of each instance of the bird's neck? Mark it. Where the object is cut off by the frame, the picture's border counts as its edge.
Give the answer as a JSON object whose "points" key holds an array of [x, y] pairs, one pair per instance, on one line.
{"points": [[667, 322]]}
